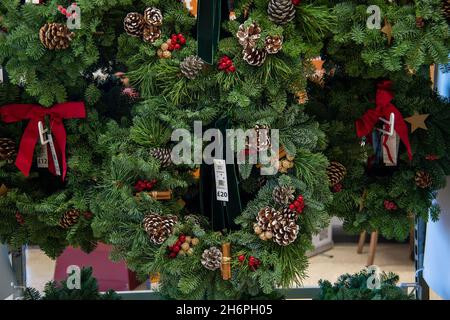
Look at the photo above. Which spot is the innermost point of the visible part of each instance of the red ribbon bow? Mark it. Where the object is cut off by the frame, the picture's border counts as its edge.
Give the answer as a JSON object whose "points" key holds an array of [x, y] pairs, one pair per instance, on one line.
{"points": [[384, 108], [35, 113]]}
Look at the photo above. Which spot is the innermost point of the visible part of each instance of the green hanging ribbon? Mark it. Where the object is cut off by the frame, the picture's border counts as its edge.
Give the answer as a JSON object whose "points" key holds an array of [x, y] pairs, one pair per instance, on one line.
{"points": [[220, 214], [209, 15]]}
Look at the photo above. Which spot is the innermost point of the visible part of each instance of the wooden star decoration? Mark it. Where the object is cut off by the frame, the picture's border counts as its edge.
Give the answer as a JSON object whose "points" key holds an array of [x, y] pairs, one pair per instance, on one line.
{"points": [[387, 30], [417, 121]]}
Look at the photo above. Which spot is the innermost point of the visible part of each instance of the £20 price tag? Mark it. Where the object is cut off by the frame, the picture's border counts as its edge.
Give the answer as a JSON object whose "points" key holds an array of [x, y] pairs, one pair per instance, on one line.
{"points": [[220, 171]]}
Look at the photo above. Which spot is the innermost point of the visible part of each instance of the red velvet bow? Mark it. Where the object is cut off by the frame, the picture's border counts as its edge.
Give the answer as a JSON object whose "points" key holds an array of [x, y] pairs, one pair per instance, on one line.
{"points": [[35, 113], [384, 108]]}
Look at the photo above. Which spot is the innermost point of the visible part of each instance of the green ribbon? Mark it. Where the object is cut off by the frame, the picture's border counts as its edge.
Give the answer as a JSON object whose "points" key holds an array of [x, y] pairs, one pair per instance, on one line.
{"points": [[208, 28], [220, 214]]}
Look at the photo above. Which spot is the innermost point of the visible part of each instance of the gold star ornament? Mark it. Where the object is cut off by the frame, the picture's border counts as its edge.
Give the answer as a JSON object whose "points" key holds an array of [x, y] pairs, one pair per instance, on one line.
{"points": [[417, 121], [387, 30]]}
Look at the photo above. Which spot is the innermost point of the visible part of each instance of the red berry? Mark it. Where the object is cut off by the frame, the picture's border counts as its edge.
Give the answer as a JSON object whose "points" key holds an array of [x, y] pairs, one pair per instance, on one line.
{"points": [[232, 69], [172, 255], [180, 35], [177, 46], [182, 238], [178, 243], [174, 38], [171, 47], [176, 249], [292, 207], [182, 41], [241, 258]]}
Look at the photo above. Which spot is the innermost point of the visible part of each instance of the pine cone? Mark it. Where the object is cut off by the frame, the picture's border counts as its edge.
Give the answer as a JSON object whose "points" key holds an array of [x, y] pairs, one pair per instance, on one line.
{"points": [[284, 228], [254, 56], [151, 34], [159, 227], [265, 218], [163, 155], [446, 9], [153, 17], [191, 67], [283, 195], [274, 44], [420, 23], [134, 24], [212, 258], [336, 172], [423, 179], [281, 11], [302, 97], [248, 37], [8, 150], [70, 218], [55, 36]]}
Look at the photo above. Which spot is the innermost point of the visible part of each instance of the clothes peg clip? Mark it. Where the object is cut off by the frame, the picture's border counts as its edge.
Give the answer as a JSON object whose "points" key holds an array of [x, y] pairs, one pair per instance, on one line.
{"points": [[391, 124], [46, 138], [42, 133]]}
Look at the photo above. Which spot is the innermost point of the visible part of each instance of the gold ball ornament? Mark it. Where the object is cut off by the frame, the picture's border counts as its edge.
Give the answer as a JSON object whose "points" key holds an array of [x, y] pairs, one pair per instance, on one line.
{"points": [[188, 239], [185, 246], [195, 241], [181, 253], [262, 236], [257, 229], [190, 252], [285, 164], [165, 46], [289, 157], [268, 235], [167, 54], [159, 53]]}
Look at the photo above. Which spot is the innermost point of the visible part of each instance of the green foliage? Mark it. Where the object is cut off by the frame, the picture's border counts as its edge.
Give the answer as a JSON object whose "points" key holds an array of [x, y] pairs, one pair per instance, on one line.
{"points": [[367, 184], [354, 287], [88, 291]]}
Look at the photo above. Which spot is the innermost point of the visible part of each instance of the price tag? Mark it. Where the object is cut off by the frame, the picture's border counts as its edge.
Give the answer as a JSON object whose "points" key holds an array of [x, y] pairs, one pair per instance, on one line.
{"points": [[42, 159], [1, 74], [54, 156], [220, 171]]}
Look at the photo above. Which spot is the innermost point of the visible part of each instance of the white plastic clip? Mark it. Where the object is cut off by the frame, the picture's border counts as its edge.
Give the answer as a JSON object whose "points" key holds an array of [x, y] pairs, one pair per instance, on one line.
{"points": [[42, 133], [391, 124]]}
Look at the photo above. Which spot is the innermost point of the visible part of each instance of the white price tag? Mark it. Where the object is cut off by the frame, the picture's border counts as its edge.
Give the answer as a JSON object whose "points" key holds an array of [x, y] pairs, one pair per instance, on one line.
{"points": [[220, 171], [42, 159], [54, 156]]}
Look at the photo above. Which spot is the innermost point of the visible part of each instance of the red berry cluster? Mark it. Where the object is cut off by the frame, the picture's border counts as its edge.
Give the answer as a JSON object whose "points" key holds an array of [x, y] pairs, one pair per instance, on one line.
{"points": [[184, 246], [337, 188], [253, 263], [390, 205], [144, 185], [176, 41], [20, 218], [88, 215], [296, 2], [298, 205], [432, 157], [226, 65], [65, 12]]}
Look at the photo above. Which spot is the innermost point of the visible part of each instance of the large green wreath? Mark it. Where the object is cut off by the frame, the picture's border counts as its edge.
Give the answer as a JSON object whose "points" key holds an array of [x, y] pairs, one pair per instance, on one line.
{"points": [[251, 96]]}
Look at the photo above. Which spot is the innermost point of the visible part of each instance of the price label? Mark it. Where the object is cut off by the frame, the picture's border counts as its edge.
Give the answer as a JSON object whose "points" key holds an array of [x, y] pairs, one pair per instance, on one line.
{"points": [[42, 159], [220, 171], [54, 156]]}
